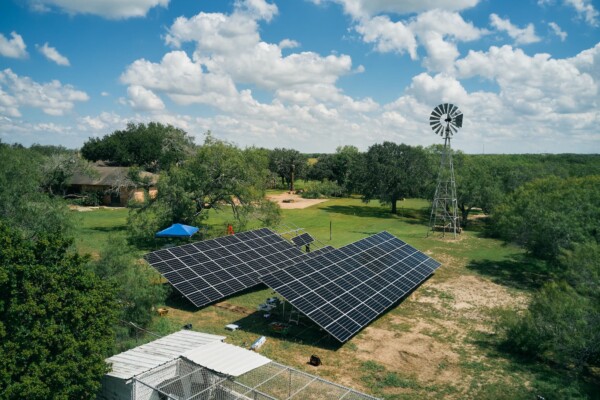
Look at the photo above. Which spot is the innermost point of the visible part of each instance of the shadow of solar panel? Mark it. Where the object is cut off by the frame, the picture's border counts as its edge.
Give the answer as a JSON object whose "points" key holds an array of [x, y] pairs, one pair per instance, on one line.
{"points": [[342, 290], [225, 265]]}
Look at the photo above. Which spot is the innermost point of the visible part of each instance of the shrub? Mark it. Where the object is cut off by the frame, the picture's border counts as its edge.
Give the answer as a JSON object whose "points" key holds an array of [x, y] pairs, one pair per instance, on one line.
{"points": [[315, 190]]}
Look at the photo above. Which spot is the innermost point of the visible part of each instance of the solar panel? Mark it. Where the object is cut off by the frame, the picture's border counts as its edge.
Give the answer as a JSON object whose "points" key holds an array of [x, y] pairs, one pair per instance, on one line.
{"points": [[210, 270], [303, 239], [342, 290]]}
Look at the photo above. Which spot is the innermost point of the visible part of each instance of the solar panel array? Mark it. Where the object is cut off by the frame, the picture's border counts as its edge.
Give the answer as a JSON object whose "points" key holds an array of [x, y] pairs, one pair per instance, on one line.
{"points": [[344, 289], [210, 270], [303, 239]]}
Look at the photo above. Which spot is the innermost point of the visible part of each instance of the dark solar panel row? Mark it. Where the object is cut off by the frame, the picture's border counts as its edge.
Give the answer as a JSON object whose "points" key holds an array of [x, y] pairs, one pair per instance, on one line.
{"points": [[209, 270], [344, 289]]}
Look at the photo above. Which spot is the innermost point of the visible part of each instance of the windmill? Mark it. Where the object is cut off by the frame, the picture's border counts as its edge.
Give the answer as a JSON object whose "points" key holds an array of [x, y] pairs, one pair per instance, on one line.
{"points": [[445, 120]]}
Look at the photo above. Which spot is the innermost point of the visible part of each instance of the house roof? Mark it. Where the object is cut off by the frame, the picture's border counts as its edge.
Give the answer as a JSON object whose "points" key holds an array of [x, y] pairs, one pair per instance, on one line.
{"points": [[226, 358], [107, 176], [143, 358]]}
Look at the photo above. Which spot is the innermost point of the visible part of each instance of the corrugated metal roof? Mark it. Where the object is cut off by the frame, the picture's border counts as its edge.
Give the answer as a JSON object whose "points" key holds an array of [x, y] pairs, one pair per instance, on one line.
{"points": [[150, 355], [226, 358]]}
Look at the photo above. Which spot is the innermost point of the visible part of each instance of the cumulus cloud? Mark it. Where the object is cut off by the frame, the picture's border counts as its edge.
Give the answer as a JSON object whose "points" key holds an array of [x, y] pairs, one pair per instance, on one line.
{"points": [[558, 31], [143, 99], [112, 9], [230, 46], [585, 9], [258, 9], [437, 31], [53, 98], [288, 44], [388, 36], [520, 35], [13, 48], [368, 8], [536, 85], [53, 55]]}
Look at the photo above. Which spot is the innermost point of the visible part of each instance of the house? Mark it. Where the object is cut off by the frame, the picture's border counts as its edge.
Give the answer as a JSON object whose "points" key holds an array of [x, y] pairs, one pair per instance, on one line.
{"points": [[189, 365], [111, 185]]}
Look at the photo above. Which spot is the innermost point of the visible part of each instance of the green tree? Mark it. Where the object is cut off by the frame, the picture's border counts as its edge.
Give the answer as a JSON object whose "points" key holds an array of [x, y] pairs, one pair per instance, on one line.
{"points": [[389, 172], [550, 214], [219, 175], [476, 186], [56, 320], [22, 203], [334, 167], [287, 162], [137, 286], [152, 146], [58, 168], [562, 322]]}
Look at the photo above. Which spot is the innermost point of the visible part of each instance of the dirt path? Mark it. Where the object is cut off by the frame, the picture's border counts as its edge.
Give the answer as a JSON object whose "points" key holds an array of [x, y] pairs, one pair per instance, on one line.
{"points": [[290, 201]]}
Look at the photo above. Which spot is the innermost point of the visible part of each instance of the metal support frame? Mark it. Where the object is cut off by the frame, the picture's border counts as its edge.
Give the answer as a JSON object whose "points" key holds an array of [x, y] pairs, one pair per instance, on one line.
{"points": [[444, 209]]}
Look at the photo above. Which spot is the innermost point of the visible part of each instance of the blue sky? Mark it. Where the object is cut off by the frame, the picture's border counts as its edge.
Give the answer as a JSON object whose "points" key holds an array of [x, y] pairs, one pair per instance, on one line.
{"points": [[305, 74]]}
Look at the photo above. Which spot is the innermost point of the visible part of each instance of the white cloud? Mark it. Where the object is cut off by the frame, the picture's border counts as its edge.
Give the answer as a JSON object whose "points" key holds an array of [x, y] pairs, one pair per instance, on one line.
{"points": [[53, 55], [288, 44], [388, 36], [53, 98], [588, 62], [368, 8], [112, 9], [143, 99], [586, 9], [558, 31], [437, 31], [521, 36], [105, 122], [13, 48], [258, 9], [230, 46], [536, 85], [9, 107]]}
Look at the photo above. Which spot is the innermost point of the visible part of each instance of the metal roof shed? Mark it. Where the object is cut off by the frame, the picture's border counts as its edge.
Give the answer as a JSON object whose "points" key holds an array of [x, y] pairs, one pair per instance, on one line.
{"points": [[226, 358], [116, 385]]}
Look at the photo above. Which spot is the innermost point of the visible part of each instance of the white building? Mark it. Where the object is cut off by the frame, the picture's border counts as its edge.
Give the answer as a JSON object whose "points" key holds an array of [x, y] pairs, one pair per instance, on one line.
{"points": [[192, 365]]}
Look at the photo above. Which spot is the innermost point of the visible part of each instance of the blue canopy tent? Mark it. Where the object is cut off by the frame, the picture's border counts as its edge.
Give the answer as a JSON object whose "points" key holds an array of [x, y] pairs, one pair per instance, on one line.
{"points": [[178, 230]]}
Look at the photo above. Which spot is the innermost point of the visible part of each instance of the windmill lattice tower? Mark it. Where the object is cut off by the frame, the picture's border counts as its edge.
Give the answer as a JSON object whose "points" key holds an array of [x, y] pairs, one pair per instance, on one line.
{"points": [[445, 120]]}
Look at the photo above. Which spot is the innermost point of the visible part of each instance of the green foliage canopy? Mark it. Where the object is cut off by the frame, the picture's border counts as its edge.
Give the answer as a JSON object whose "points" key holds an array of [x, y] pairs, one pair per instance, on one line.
{"points": [[137, 287], [218, 175], [22, 201], [55, 320], [285, 161], [334, 167], [152, 146], [550, 214], [562, 323], [389, 172]]}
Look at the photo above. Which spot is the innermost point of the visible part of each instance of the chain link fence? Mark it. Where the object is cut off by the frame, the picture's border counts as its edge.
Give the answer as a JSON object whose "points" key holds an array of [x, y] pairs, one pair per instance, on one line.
{"points": [[184, 380]]}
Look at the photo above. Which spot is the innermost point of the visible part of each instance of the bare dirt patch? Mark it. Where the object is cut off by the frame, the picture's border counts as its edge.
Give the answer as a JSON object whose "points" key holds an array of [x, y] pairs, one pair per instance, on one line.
{"points": [[236, 309], [414, 353], [472, 296], [430, 343], [291, 201]]}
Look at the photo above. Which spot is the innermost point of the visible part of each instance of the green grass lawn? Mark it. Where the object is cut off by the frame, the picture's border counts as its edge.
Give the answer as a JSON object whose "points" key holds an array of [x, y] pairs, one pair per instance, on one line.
{"points": [[93, 229], [437, 343]]}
